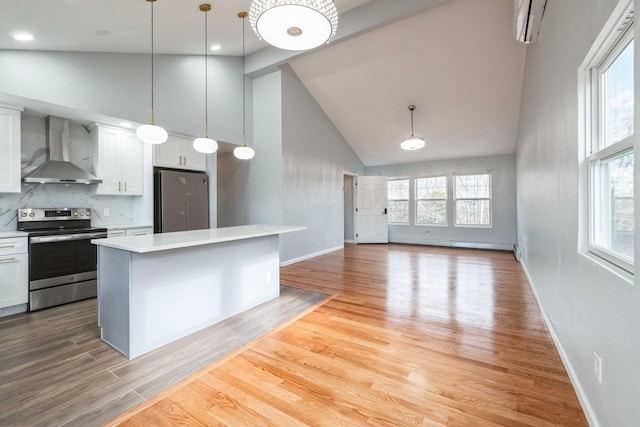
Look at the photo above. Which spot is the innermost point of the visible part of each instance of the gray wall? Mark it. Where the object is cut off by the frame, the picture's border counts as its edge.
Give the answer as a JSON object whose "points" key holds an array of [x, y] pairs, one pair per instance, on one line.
{"points": [[315, 155], [250, 191], [590, 309], [118, 85], [502, 234]]}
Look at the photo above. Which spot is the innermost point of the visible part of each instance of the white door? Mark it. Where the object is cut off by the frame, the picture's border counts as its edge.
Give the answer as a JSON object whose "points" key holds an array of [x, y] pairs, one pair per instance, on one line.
{"points": [[371, 210]]}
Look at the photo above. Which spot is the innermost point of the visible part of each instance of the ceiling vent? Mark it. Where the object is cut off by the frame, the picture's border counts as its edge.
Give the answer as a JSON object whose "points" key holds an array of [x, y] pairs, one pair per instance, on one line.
{"points": [[528, 17]]}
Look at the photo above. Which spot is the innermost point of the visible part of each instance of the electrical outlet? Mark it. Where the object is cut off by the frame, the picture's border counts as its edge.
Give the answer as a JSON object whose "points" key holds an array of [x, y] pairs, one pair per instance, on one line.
{"points": [[106, 212], [597, 366]]}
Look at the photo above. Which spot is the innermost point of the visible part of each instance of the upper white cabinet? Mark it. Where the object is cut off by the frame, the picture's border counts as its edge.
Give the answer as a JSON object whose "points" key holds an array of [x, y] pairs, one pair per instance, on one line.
{"points": [[178, 153], [118, 161], [10, 177], [14, 271]]}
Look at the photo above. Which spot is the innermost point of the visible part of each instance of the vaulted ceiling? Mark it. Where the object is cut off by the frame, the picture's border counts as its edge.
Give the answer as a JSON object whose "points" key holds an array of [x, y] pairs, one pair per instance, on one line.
{"points": [[456, 60]]}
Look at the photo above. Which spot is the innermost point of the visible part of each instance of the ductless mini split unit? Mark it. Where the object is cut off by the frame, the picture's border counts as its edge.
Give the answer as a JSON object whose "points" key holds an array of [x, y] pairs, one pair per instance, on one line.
{"points": [[528, 17]]}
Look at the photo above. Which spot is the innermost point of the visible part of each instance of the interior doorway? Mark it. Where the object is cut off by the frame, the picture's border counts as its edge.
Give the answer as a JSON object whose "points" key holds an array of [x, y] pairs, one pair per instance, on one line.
{"points": [[348, 187]]}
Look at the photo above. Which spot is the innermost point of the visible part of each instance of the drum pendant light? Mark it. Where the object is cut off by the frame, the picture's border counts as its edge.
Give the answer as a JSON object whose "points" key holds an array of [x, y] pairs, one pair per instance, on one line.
{"points": [[294, 24], [413, 142], [244, 152], [152, 133], [205, 145]]}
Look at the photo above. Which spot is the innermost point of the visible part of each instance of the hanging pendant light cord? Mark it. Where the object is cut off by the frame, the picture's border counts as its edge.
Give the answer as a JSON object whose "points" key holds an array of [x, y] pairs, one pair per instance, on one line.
{"points": [[153, 120], [244, 142], [411, 109], [206, 79]]}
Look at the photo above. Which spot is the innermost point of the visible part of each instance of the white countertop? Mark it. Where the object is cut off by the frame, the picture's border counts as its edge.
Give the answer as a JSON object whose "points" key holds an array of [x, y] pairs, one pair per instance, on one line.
{"points": [[10, 234], [185, 239]]}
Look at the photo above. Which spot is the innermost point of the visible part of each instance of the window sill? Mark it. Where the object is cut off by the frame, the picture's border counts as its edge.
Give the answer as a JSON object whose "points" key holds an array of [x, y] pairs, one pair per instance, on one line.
{"points": [[621, 273]]}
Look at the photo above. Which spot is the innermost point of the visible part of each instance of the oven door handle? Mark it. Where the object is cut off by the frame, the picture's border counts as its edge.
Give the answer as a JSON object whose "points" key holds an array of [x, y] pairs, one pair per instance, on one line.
{"points": [[67, 237]]}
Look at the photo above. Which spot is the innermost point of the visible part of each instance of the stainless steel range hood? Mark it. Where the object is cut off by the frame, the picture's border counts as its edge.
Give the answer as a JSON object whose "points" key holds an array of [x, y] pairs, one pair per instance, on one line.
{"points": [[57, 169]]}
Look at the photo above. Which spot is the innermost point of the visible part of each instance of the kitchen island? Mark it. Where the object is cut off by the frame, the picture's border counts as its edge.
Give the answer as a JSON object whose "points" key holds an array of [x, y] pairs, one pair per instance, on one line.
{"points": [[157, 288]]}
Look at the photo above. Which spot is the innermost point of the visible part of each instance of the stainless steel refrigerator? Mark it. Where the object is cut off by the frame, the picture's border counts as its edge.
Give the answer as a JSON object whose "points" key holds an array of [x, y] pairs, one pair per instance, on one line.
{"points": [[181, 200]]}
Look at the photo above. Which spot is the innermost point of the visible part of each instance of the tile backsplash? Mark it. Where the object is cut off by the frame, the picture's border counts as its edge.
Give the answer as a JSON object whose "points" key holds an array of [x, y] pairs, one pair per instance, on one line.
{"points": [[122, 208]]}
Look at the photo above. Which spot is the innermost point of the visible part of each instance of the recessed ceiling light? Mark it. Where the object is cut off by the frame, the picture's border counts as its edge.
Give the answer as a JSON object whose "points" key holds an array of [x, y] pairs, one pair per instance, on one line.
{"points": [[126, 124], [215, 47], [23, 37]]}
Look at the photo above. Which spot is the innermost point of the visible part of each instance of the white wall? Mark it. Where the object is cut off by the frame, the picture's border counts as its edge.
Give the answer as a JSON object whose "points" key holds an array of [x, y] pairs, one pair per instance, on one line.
{"points": [[590, 309], [501, 235]]}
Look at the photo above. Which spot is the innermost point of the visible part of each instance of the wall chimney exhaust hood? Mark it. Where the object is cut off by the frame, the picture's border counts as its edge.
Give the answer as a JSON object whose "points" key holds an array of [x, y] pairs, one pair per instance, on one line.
{"points": [[57, 169]]}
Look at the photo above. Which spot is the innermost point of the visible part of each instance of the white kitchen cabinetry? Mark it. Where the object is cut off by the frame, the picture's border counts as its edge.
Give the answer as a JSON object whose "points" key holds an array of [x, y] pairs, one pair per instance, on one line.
{"points": [[14, 271], [116, 233], [141, 231], [10, 175], [178, 153], [129, 231], [118, 161]]}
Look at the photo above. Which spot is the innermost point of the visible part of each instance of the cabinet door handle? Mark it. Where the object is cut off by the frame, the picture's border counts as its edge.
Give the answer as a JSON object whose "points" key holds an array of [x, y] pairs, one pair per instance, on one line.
{"points": [[8, 246], [180, 160], [125, 186], [185, 161], [119, 189], [8, 260]]}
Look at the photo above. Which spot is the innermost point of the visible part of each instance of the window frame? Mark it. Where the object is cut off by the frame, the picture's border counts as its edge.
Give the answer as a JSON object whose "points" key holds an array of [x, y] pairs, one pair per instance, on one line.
{"points": [[446, 200], [408, 200], [607, 49], [455, 200]]}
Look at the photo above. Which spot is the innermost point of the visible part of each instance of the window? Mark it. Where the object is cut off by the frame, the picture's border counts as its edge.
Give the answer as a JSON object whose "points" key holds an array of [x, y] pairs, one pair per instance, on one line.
{"points": [[608, 75], [431, 200], [473, 200], [398, 201]]}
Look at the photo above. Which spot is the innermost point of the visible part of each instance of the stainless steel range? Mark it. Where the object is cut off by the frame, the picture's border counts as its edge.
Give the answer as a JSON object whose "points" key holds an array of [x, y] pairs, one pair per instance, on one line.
{"points": [[62, 260]]}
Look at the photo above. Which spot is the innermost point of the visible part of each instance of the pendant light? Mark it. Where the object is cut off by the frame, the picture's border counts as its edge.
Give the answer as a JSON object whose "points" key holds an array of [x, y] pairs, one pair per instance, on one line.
{"points": [[152, 133], [244, 152], [205, 145], [294, 24], [413, 142]]}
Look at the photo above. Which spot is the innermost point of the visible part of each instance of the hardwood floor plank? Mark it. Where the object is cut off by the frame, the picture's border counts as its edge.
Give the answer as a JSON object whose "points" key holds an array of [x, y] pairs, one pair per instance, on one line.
{"points": [[414, 336]]}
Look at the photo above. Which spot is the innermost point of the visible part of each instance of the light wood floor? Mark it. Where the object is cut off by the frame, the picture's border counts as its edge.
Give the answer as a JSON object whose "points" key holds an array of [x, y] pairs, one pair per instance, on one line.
{"points": [[415, 336], [55, 370]]}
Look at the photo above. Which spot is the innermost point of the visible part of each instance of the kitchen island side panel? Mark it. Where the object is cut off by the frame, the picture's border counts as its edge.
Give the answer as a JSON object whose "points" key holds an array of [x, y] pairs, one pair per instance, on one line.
{"points": [[113, 297], [180, 291]]}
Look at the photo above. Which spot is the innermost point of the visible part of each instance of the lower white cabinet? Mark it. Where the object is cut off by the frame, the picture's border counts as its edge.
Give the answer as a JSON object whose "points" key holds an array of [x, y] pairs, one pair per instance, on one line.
{"points": [[116, 233], [14, 271], [129, 231], [139, 231]]}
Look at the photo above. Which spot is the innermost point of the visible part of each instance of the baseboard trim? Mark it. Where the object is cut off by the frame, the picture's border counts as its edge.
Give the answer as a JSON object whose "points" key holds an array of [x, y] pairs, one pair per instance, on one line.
{"points": [[313, 255], [413, 240], [577, 386], [14, 309], [350, 241]]}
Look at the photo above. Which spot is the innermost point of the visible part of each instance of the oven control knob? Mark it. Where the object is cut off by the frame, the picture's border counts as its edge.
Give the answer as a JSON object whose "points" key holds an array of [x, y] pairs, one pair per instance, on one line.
{"points": [[81, 213], [32, 214], [24, 214], [88, 213]]}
